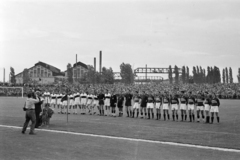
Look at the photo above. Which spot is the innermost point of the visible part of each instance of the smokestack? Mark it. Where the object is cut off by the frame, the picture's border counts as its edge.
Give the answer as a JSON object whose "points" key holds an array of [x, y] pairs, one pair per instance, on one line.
{"points": [[100, 62], [95, 64], [76, 59], [3, 75]]}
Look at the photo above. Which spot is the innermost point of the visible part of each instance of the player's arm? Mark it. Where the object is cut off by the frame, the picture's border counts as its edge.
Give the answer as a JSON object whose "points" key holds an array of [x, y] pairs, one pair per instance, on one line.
{"points": [[218, 102]]}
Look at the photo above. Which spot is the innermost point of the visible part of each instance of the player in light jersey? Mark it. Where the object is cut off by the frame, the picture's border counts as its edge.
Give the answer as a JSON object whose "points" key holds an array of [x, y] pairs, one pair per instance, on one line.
{"points": [[158, 104], [107, 103], [64, 103], [71, 103], [90, 103], [76, 102], [83, 97], [53, 100], [59, 103], [47, 98]]}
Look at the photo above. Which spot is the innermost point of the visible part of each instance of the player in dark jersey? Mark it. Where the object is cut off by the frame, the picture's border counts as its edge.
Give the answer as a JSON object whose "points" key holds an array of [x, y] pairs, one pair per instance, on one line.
{"points": [[120, 100], [174, 105], [158, 104], [183, 106], [207, 104], [128, 103], [215, 103], [113, 102], [200, 106], [150, 105], [101, 98], [166, 105], [191, 102], [143, 104]]}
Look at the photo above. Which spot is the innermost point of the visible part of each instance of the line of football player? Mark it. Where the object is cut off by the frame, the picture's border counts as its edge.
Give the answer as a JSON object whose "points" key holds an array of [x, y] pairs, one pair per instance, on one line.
{"points": [[183, 106]]}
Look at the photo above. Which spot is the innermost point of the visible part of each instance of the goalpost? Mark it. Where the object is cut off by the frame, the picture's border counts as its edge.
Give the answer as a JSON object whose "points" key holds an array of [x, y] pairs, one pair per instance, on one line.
{"points": [[11, 88]]}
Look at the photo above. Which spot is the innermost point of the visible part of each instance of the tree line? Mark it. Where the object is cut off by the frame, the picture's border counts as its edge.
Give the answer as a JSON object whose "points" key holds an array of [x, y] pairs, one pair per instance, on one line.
{"points": [[199, 75]]}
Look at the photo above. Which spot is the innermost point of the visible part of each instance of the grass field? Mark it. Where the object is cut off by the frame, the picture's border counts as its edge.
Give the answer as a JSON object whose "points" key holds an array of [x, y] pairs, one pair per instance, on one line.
{"points": [[95, 137]]}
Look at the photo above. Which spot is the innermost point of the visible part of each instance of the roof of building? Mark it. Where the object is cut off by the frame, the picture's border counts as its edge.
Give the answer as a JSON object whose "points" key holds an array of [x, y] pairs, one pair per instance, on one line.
{"points": [[80, 64], [51, 68], [55, 70]]}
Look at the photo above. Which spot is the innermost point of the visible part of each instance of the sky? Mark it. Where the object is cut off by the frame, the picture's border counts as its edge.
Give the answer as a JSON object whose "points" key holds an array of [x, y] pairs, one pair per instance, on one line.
{"points": [[158, 33]]}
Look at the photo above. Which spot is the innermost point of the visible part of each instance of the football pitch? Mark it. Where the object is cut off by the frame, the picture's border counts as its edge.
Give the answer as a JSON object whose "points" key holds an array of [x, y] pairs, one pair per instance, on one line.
{"points": [[89, 137]]}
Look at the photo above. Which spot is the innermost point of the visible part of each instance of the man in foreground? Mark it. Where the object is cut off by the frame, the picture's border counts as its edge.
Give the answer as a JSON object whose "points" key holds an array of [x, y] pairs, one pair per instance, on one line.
{"points": [[29, 107]]}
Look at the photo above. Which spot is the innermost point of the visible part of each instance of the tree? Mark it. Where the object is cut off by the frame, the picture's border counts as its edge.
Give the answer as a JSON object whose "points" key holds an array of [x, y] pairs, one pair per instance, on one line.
{"points": [[226, 72], [223, 75], [230, 75], [187, 75], [217, 75], [170, 75], [26, 77], [204, 76], [107, 75], [12, 75], [89, 76], [176, 74], [183, 74], [126, 73], [69, 73], [238, 76], [194, 74]]}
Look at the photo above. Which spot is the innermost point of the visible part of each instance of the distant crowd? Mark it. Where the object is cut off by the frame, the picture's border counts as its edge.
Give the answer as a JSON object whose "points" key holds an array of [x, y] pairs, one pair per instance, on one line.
{"points": [[223, 91]]}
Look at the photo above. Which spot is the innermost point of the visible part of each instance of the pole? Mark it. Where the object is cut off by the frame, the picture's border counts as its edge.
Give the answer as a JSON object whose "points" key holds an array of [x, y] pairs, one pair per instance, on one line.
{"points": [[100, 62], [67, 106], [146, 74], [3, 75], [94, 63], [76, 68]]}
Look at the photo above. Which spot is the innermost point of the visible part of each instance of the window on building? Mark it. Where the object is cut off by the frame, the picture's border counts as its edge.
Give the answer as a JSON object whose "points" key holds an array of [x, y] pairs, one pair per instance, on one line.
{"points": [[45, 74], [75, 73], [30, 74], [82, 71], [42, 73], [78, 73]]}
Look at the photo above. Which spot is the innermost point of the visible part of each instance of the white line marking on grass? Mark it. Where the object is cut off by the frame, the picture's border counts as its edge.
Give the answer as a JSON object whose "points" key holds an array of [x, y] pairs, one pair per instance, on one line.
{"points": [[133, 139]]}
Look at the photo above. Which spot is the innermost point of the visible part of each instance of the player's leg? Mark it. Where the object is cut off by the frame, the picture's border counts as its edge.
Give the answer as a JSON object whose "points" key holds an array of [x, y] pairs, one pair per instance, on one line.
{"points": [[152, 112], [137, 111], [141, 110], [202, 113], [218, 118], [176, 112], [198, 114], [190, 115], [173, 114]]}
